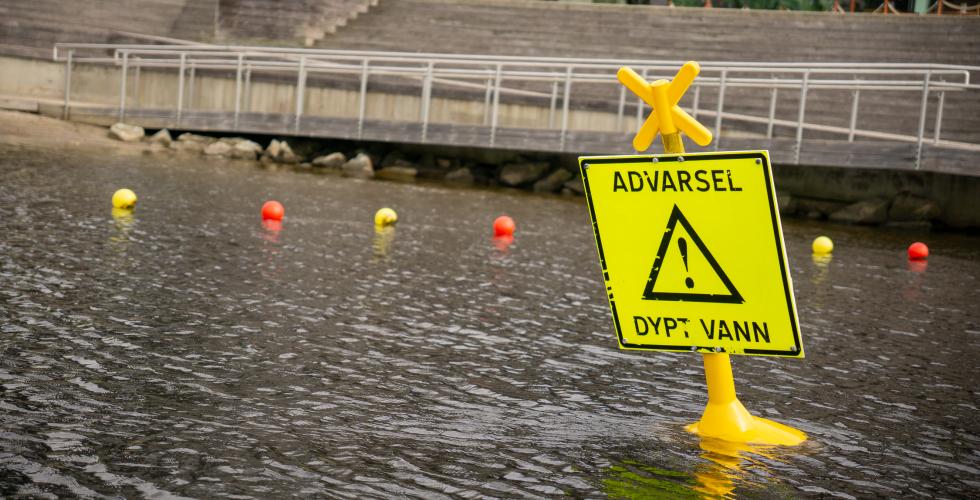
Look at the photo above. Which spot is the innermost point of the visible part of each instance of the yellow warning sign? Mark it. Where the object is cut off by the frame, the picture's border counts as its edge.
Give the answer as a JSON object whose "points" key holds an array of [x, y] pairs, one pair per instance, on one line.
{"points": [[692, 252]]}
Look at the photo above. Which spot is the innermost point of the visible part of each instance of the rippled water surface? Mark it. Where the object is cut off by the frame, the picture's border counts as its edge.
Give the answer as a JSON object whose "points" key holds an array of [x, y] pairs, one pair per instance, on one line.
{"points": [[187, 350]]}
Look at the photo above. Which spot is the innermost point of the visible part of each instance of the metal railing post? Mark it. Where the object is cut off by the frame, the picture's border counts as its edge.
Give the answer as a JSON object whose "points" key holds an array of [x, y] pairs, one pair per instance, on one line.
{"points": [[247, 104], [923, 108], [939, 116], [238, 88], [773, 96], [426, 99], [180, 86], [564, 107], [620, 108], [122, 86], [721, 105], [494, 114], [66, 113], [362, 99], [553, 105], [855, 99], [799, 118], [486, 101], [300, 90], [192, 84], [136, 83]]}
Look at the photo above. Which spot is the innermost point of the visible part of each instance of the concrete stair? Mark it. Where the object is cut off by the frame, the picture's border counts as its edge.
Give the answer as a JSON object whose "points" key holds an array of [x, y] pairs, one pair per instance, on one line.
{"points": [[287, 21], [30, 28], [535, 28]]}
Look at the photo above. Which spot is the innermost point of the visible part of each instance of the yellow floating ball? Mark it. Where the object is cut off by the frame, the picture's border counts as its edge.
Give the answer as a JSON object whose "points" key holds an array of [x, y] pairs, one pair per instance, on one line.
{"points": [[385, 217], [822, 245], [124, 198]]}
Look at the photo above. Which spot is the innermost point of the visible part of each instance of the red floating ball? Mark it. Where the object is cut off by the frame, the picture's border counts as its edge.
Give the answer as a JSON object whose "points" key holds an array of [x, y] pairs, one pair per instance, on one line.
{"points": [[272, 210], [918, 251], [503, 226]]}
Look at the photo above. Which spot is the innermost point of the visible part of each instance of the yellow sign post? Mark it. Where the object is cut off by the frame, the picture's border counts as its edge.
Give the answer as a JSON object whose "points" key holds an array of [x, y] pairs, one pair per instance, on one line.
{"points": [[693, 256]]}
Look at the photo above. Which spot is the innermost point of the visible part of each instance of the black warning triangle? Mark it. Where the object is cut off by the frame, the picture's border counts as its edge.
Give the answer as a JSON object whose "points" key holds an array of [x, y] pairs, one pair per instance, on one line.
{"points": [[732, 297]]}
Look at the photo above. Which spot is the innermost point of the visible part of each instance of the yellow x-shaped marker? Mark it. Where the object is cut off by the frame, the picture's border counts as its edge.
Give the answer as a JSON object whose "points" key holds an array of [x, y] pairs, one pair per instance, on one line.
{"points": [[663, 96]]}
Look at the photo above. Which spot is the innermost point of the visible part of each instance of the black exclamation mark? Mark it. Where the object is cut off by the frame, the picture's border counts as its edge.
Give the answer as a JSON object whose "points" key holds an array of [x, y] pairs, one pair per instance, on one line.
{"points": [[682, 244]]}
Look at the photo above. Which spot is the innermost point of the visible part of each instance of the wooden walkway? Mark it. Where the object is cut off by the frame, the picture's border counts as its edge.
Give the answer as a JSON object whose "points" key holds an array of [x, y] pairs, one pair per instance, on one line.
{"points": [[864, 154]]}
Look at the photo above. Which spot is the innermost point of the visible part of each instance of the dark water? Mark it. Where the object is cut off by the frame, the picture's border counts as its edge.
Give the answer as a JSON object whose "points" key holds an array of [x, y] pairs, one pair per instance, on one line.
{"points": [[188, 351]]}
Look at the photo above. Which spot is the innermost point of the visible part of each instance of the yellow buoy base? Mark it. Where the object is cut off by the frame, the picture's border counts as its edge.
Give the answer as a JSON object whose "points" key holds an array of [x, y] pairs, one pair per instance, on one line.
{"points": [[725, 418], [732, 422]]}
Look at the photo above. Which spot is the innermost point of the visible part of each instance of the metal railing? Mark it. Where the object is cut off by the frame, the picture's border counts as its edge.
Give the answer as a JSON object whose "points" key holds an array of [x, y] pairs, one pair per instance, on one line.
{"points": [[543, 82]]}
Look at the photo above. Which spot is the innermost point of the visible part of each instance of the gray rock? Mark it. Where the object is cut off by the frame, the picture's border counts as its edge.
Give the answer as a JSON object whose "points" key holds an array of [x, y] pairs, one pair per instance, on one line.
{"points": [[910, 208], [575, 186], [359, 166], [515, 174], [460, 176], [189, 137], [245, 150], [286, 154], [234, 141], [816, 208], [553, 182], [404, 174], [393, 159], [863, 212], [332, 160], [272, 151], [125, 132], [279, 152], [218, 149], [162, 137]]}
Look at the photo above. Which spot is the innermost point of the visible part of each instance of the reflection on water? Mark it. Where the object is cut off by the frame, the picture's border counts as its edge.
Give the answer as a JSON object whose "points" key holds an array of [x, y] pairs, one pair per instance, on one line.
{"points": [[918, 266], [631, 479], [503, 243], [722, 466], [384, 236], [726, 464], [186, 350], [272, 229], [124, 220]]}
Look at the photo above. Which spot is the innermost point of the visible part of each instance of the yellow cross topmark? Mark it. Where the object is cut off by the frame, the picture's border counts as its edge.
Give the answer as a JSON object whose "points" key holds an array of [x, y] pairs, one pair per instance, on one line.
{"points": [[663, 96]]}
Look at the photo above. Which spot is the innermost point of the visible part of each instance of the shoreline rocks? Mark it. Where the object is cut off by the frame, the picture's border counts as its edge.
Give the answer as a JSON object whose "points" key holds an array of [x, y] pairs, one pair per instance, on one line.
{"points": [[162, 137], [126, 133], [537, 173], [360, 167], [516, 174], [332, 161]]}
